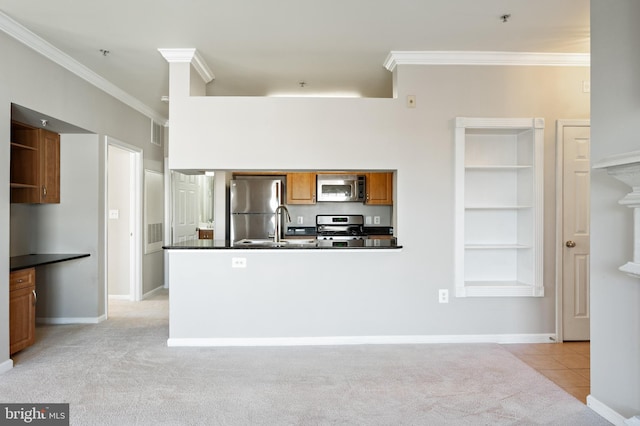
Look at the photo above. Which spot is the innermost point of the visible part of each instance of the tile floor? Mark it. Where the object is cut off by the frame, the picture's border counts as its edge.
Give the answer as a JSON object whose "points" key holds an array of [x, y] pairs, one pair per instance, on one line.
{"points": [[566, 364]]}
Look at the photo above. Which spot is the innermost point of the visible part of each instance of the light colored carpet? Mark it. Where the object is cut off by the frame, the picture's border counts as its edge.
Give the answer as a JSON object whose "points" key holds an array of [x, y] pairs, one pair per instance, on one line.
{"points": [[121, 372]]}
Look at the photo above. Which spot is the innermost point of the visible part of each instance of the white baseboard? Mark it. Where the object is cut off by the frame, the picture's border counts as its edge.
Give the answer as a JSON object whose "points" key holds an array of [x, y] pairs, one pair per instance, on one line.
{"points": [[361, 340], [605, 411], [6, 366], [71, 320], [153, 292]]}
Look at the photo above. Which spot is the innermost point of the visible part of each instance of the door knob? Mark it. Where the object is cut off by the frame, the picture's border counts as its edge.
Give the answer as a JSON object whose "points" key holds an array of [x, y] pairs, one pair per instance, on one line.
{"points": [[570, 244]]}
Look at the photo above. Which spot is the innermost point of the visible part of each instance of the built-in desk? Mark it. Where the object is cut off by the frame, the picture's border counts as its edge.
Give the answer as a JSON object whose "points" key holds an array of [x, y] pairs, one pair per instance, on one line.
{"points": [[23, 297], [33, 260]]}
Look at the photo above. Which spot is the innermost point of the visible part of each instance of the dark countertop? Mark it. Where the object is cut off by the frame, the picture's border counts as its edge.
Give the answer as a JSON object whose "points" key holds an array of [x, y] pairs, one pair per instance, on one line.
{"points": [[32, 260], [372, 243]]}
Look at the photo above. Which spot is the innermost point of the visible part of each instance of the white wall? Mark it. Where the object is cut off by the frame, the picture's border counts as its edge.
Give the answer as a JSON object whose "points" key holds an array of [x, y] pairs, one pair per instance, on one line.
{"points": [[615, 297], [30, 80], [229, 133]]}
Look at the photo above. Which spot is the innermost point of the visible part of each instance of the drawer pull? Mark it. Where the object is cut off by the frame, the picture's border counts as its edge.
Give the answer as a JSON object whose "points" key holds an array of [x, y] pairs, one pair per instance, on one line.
{"points": [[35, 297], [20, 280]]}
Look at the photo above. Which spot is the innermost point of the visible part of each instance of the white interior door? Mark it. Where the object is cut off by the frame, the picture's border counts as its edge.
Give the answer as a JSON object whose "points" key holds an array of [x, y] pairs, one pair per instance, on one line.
{"points": [[186, 190], [576, 233]]}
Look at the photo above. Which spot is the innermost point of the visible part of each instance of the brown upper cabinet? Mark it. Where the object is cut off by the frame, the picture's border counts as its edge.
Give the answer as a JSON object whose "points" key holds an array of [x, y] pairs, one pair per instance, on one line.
{"points": [[380, 188], [35, 165], [301, 188]]}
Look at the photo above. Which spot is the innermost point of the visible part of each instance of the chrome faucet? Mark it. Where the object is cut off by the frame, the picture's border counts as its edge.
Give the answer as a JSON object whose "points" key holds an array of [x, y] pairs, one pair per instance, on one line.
{"points": [[278, 232]]}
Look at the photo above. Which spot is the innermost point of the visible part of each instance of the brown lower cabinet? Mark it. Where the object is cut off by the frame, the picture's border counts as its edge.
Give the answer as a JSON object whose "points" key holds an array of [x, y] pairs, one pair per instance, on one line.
{"points": [[205, 234], [22, 309]]}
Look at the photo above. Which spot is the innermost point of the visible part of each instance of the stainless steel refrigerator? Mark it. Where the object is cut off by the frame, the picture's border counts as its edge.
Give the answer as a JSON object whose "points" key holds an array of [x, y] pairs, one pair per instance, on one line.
{"points": [[253, 205]]}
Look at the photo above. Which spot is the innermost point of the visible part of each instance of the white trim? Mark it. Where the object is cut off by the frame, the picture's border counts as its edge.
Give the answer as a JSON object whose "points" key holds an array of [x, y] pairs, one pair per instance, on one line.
{"points": [[605, 411], [192, 56], [397, 57], [46, 49], [560, 125], [618, 160], [361, 340], [71, 320], [6, 366]]}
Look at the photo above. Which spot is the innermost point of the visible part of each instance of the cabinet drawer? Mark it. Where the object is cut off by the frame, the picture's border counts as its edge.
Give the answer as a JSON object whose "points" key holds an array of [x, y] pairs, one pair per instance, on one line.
{"points": [[22, 278]]}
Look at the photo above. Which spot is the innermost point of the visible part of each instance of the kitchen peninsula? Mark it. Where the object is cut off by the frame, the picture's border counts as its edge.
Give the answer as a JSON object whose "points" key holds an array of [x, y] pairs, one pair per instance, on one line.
{"points": [[225, 295]]}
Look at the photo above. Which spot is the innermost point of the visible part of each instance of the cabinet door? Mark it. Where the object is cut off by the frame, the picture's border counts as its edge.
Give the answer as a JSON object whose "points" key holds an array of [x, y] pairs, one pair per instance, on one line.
{"points": [[22, 310], [49, 167], [380, 188], [301, 188], [35, 165], [205, 234]]}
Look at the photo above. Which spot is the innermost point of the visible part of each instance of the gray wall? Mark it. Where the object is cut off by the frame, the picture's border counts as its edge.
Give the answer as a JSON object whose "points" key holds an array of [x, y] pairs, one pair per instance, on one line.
{"points": [[615, 297], [30, 80], [70, 289], [418, 143]]}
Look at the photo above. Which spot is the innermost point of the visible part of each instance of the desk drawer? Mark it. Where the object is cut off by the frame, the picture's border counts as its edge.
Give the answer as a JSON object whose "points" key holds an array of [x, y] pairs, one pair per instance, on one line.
{"points": [[22, 278]]}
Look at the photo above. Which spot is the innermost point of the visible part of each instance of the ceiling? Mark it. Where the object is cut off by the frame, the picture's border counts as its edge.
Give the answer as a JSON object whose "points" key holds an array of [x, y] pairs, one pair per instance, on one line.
{"points": [[263, 48]]}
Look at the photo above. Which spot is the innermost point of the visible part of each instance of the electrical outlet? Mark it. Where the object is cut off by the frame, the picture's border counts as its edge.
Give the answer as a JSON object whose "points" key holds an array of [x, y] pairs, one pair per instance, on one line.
{"points": [[238, 262], [300, 220], [376, 220], [443, 295], [586, 86], [367, 220]]}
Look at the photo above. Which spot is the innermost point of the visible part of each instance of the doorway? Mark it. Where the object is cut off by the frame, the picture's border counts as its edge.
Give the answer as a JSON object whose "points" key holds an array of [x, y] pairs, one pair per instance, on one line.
{"points": [[573, 230], [123, 219]]}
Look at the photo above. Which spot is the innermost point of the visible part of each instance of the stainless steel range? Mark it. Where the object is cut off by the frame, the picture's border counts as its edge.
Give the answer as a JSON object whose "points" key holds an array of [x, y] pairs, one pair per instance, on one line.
{"points": [[340, 230]]}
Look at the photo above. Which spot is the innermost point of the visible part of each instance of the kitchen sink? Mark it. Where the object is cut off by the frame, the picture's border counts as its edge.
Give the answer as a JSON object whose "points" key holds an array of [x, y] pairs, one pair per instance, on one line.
{"points": [[291, 242]]}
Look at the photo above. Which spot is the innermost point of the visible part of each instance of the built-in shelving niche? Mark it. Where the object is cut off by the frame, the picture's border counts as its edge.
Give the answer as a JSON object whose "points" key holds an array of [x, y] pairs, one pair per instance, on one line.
{"points": [[499, 207]]}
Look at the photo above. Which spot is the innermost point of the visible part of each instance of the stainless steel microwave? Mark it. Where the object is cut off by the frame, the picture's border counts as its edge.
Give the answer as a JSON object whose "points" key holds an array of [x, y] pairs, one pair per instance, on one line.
{"points": [[335, 187]]}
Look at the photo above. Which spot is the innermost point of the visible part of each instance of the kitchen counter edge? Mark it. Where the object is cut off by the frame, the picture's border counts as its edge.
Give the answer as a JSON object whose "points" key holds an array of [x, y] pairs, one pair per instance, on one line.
{"points": [[226, 245]]}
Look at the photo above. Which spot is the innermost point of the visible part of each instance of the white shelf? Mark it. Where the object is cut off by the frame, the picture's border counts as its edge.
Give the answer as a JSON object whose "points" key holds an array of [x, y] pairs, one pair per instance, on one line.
{"points": [[495, 167], [496, 246], [515, 207], [499, 216], [499, 289]]}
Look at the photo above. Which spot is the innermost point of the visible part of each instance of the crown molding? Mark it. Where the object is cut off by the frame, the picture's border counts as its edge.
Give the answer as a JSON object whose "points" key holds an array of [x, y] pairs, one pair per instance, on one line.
{"points": [[46, 49], [191, 56], [396, 57]]}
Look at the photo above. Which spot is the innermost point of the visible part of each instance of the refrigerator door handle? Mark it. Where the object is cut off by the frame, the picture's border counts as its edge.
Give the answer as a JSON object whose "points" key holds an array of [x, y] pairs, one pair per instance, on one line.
{"points": [[278, 193]]}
